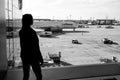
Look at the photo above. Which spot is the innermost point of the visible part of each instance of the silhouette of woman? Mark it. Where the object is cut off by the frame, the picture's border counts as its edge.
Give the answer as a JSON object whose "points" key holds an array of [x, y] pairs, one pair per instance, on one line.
{"points": [[30, 51]]}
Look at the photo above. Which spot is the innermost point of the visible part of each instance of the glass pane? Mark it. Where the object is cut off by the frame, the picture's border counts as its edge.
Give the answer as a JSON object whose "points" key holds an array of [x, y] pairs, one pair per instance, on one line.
{"points": [[13, 25], [71, 37]]}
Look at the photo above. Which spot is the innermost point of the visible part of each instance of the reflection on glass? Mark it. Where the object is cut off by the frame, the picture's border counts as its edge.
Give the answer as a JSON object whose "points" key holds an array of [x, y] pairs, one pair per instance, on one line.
{"points": [[13, 24]]}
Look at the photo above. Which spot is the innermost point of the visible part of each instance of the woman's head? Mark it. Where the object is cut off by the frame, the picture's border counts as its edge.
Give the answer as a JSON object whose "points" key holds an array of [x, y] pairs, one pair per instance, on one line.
{"points": [[27, 20]]}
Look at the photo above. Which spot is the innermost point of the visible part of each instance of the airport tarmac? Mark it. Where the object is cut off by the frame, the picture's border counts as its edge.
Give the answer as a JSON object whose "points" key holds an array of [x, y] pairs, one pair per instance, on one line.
{"points": [[91, 49]]}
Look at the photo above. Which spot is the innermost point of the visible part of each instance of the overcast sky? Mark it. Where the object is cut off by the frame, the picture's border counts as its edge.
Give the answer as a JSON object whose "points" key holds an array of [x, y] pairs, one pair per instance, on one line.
{"points": [[72, 9]]}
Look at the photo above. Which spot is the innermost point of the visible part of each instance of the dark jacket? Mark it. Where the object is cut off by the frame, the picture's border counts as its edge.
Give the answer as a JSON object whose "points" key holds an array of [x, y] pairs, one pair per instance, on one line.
{"points": [[29, 44]]}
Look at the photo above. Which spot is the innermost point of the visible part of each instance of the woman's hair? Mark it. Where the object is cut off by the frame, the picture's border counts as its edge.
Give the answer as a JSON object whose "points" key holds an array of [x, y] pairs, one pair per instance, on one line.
{"points": [[27, 19]]}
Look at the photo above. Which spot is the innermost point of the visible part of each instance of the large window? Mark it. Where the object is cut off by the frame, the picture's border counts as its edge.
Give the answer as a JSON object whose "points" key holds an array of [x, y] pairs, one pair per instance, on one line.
{"points": [[65, 42]]}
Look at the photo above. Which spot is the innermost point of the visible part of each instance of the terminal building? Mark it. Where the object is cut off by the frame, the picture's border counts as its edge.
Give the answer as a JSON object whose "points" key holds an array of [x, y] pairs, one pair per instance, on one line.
{"points": [[10, 17], [105, 21]]}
